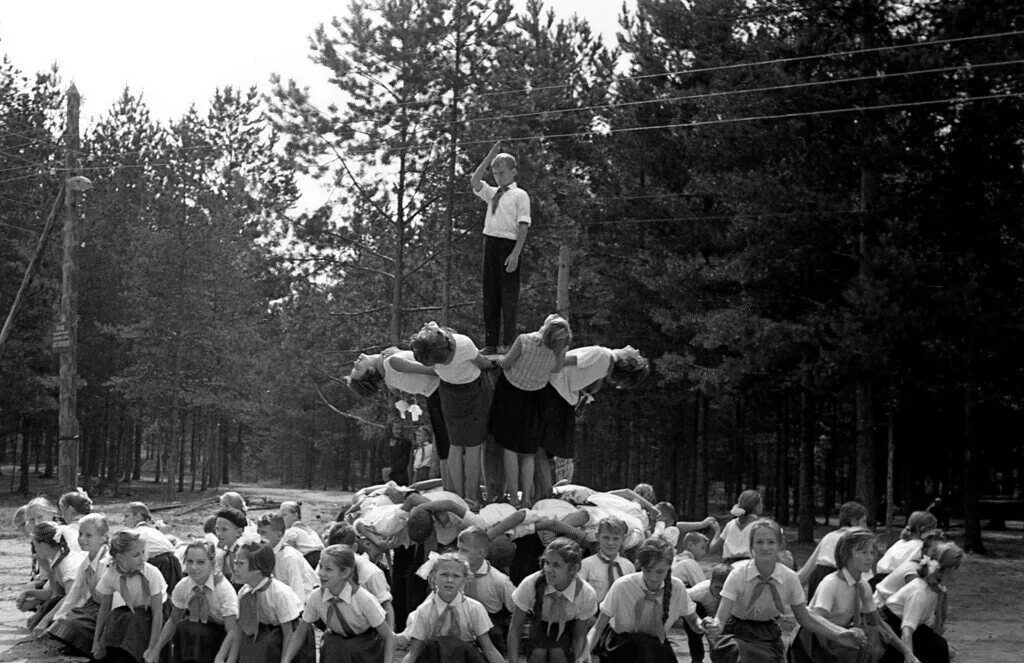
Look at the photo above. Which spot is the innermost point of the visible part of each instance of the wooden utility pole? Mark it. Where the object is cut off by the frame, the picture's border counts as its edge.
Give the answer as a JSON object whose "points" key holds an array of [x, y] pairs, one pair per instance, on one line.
{"points": [[66, 336], [446, 289], [562, 288]]}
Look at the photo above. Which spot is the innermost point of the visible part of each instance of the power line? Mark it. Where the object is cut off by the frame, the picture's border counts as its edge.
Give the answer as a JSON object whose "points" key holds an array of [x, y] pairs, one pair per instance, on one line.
{"points": [[740, 65], [727, 93], [723, 217], [705, 123]]}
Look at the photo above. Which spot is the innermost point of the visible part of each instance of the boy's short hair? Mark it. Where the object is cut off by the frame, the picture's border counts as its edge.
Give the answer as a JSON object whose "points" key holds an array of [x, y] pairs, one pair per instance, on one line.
{"points": [[629, 368], [851, 512], [694, 538], [273, 521], [261, 558], [474, 537], [506, 158], [646, 491], [613, 523]]}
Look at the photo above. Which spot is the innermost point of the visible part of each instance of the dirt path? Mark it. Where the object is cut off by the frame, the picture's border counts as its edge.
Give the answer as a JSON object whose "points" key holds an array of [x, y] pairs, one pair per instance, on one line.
{"points": [[986, 598]]}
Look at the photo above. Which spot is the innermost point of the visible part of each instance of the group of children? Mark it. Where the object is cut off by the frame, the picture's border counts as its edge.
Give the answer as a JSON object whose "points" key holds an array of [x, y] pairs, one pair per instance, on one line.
{"points": [[584, 574]]}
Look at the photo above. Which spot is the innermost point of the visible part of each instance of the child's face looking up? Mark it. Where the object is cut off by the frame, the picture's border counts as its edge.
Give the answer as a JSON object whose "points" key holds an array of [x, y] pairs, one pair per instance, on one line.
{"points": [[609, 542]]}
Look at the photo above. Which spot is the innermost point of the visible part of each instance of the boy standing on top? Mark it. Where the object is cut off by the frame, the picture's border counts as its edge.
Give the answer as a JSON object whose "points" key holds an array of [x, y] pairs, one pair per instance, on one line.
{"points": [[506, 223]]}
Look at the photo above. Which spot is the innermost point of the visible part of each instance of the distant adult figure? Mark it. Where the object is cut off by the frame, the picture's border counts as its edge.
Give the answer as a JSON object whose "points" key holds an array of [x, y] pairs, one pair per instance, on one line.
{"points": [[506, 224]]}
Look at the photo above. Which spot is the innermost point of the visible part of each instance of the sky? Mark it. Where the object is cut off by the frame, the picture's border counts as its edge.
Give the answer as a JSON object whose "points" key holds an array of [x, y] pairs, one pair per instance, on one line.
{"points": [[177, 53]]}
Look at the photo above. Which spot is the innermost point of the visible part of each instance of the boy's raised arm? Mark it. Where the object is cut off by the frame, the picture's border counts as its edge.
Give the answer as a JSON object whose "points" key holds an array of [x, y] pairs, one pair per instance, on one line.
{"points": [[476, 179]]}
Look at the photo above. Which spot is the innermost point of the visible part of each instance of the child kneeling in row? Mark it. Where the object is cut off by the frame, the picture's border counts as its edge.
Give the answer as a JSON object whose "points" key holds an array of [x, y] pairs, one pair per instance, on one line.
{"points": [[449, 625]]}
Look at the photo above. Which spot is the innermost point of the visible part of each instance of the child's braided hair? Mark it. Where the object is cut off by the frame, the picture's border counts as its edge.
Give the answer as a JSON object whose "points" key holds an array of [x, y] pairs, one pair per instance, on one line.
{"points": [[653, 550]]}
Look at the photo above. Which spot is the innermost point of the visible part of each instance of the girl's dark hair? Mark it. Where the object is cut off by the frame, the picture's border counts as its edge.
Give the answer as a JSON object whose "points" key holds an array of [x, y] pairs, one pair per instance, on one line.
{"points": [[261, 558], [140, 509], [653, 550], [719, 573], [850, 541], [210, 525], [78, 500], [432, 344], [629, 368], [668, 512], [233, 516], [918, 523], [46, 533], [851, 512], [122, 542], [366, 385], [344, 557], [341, 533], [571, 554]]}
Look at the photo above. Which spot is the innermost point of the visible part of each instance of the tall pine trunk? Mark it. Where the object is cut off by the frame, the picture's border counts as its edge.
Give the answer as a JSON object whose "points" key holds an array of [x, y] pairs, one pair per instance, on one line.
{"points": [[808, 407]]}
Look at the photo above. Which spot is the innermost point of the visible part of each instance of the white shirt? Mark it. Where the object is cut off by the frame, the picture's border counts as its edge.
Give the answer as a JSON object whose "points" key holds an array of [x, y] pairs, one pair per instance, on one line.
{"points": [[687, 569], [736, 540], [291, 568], [628, 591], [156, 541], [582, 599], [594, 570], [360, 610], [513, 209], [410, 383], [827, 547], [221, 597], [914, 604], [110, 583], [373, 579], [701, 593], [302, 538], [836, 597], [592, 364], [739, 588], [472, 617], [899, 552], [490, 587], [461, 369], [893, 582], [278, 603]]}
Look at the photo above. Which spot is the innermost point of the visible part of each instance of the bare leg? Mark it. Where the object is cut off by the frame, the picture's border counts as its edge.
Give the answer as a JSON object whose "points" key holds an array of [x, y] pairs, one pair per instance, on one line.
{"points": [[511, 461], [446, 476], [526, 477], [455, 470], [471, 472]]}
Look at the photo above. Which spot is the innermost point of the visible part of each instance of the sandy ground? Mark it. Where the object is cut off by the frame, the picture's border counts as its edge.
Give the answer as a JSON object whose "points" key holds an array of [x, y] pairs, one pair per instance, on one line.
{"points": [[986, 599]]}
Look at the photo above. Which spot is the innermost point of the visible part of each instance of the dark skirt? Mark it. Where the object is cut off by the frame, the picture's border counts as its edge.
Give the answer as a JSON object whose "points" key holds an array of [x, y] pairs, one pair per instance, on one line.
{"points": [[128, 630], [465, 412], [195, 641], [558, 437], [640, 648], [77, 628], [264, 647], [169, 567], [817, 575], [434, 410], [449, 649], [929, 646], [499, 630], [544, 635], [748, 641], [408, 590], [807, 647], [517, 417], [367, 647]]}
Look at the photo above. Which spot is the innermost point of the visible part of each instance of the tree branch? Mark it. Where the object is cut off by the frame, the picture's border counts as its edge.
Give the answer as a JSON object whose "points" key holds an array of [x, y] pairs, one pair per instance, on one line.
{"points": [[366, 312], [344, 414]]}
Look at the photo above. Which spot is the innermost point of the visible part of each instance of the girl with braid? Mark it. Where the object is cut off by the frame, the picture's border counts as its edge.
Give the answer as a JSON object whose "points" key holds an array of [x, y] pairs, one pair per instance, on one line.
{"points": [[132, 594], [755, 595], [642, 607], [52, 548], [559, 605]]}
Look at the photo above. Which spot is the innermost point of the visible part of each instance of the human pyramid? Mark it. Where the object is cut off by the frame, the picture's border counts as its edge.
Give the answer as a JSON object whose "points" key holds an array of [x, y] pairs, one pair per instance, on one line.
{"points": [[554, 574]]}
